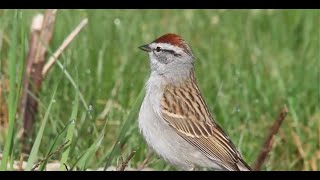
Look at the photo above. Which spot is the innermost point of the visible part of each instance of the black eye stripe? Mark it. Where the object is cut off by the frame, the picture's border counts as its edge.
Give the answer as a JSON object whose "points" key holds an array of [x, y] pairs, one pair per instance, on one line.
{"points": [[158, 49], [171, 52]]}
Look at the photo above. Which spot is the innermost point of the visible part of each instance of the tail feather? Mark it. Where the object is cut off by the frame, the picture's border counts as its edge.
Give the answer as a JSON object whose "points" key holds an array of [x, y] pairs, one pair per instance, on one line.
{"points": [[243, 166]]}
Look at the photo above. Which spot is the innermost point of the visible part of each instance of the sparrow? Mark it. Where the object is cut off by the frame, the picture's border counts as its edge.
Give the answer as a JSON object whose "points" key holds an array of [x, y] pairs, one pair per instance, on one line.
{"points": [[174, 118]]}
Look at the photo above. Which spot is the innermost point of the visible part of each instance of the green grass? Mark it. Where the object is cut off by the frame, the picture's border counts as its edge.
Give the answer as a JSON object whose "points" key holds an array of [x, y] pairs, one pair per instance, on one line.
{"points": [[249, 63], [35, 148]]}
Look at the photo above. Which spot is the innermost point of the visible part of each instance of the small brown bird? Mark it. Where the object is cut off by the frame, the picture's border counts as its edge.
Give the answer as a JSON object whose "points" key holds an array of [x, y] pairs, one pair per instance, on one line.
{"points": [[174, 118]]}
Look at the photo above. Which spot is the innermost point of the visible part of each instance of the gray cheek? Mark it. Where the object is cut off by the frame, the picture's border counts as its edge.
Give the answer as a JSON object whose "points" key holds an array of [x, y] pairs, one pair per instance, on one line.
{"points": [[163, 60], [159, 58]]}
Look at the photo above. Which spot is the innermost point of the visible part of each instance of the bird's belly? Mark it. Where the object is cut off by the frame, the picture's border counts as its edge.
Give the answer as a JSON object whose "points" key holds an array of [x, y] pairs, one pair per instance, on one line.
{"points": [[162, 138], [167, 143]]}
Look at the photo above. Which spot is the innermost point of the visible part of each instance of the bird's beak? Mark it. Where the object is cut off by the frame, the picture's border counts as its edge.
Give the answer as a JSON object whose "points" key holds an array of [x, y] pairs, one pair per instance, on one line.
{"points": [[145, 48]]}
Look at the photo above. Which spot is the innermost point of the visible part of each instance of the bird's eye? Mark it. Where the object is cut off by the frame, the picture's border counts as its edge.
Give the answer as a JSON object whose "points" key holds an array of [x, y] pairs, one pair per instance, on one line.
{"points": [[158, 49]]}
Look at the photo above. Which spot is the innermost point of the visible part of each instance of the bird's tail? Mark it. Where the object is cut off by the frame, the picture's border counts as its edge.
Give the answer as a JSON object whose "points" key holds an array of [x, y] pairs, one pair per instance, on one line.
{"points": [[243, 166]]}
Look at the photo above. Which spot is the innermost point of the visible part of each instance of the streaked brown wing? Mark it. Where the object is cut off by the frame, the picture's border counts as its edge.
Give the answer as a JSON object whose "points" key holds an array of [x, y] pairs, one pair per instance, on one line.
{"points": [[184, 109]]}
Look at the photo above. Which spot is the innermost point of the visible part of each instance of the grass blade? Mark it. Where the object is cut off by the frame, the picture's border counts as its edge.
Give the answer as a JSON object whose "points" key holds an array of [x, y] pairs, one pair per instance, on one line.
{"points": [[73, 84], [70, 133], [36, 145], [82, 161], [129, 121], [53, 145], [12, 94]]}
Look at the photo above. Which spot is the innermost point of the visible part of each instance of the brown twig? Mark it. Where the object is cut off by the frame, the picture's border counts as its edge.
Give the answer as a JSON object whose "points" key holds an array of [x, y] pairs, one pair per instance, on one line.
{"points": [[145, 162], [297, 141], [125, 163], [63, 46], [20, 163], [50, 155], [40, 37], [3, 107], [269, 140], [65, 166], [36, 69]]}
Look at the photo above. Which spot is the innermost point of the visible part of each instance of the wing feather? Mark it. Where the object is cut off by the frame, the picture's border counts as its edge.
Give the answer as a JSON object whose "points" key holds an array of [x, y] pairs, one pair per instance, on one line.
{"points": [[184, 109]]}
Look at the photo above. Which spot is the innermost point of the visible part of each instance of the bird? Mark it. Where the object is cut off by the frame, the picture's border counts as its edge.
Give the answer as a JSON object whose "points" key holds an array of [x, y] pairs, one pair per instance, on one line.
{"points": [[174, 119]]}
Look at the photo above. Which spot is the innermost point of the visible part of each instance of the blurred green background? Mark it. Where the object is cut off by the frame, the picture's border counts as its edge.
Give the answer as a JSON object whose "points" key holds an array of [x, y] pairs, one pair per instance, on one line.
{"points": [[249, 64]]}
